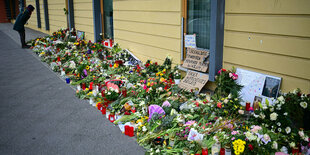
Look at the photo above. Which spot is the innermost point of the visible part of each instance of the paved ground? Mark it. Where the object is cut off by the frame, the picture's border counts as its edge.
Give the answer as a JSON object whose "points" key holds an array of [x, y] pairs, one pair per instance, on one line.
{"points": [[39, 113]]}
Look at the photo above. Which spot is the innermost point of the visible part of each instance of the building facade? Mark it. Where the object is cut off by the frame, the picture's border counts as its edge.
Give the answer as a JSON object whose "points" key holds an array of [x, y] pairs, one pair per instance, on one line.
{"points": [[266, 36]]}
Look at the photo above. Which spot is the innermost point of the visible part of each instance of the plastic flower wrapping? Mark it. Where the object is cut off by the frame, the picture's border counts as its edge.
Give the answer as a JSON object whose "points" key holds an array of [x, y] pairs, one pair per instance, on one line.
{"points": [[144, 101]]}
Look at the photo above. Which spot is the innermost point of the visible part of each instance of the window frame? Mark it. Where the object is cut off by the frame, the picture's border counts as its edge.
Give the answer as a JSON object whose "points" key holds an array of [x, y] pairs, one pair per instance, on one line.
{"points": [[216, 36]]}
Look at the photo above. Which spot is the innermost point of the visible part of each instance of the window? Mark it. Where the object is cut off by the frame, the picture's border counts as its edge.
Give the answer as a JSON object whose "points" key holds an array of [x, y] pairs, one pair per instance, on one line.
{"points": [[103, 19], [205, 18], [108, 19], [198, 21]]}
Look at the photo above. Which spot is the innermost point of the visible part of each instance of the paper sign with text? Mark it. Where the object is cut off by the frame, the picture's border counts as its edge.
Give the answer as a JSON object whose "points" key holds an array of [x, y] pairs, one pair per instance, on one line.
{"points": [[196, 60], [190, 41], [193, 80]]}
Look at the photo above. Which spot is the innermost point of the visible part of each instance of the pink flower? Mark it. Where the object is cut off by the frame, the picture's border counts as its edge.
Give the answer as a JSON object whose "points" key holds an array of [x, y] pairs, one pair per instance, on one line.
{"points": [[144, 87], [219, 105], [233, 138], [234, 132], [189, 123], [256, 128]]}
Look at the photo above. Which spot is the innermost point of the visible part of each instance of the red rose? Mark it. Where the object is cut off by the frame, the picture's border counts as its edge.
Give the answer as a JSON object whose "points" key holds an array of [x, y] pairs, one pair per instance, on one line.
{"points": [[224, 70], [250, 147]]}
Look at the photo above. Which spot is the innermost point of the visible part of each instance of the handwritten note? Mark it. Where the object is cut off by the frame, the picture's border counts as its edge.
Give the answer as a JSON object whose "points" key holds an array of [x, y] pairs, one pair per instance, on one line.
{"points": [[190, 40], [193, 80], [196, 59]]}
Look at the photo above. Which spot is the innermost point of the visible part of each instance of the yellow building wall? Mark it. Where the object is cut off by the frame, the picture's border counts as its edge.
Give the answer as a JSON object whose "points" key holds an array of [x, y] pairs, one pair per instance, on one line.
{"points": [[32, 22], [151, 29], [270, 37], [57, 17], [83, 17]]}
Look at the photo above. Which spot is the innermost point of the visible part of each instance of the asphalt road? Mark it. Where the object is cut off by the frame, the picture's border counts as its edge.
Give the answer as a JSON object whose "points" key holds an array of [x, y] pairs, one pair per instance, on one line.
{"points": [[39, 113]]}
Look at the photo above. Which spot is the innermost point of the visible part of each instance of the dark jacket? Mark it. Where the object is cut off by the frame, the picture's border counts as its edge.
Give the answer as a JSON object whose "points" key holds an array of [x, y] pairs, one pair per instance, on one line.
{"points": [[21, 20]]}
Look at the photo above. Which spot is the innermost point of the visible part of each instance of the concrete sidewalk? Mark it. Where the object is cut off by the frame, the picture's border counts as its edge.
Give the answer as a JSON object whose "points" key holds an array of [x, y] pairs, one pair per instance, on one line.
{"points": [[39, 113]]}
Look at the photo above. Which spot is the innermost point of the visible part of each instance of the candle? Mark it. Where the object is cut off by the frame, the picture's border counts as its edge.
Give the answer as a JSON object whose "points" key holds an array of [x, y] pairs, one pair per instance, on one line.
{"points": [[112, 118], [83, 86], [124, 92], [103, 93], [247, 106], [131, 131], [103, 110], [91, 85], [68, 80], [99, 106], [204, 151], [222, 151]]}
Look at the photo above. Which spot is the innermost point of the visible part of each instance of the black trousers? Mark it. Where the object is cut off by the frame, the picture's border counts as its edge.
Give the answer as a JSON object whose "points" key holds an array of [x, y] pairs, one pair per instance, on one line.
{"points": [[22, 37]]}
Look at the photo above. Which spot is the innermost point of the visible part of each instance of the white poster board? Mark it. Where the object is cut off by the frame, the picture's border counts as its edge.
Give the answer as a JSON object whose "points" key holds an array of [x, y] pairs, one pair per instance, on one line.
{"points": [[190, 40], [257, 86]]}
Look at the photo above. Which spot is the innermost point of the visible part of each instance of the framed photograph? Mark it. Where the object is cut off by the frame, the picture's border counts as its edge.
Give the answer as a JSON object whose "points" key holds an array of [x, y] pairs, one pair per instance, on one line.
{"points": [[258, 99], [271, 87], [80, 35]]}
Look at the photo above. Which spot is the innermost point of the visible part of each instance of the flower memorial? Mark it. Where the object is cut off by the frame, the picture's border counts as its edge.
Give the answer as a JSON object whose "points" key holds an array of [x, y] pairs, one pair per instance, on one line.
{"points": [[145, 101]]}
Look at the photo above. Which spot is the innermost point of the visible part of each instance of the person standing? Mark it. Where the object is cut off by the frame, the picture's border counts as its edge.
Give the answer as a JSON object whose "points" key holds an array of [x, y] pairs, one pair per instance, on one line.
{"points": [[21, 20]]}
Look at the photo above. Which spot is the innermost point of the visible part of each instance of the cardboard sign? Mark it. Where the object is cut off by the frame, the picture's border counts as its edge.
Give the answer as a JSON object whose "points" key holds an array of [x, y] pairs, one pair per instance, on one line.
{"points": [[190, 41], [193, 81], [196, 59]]}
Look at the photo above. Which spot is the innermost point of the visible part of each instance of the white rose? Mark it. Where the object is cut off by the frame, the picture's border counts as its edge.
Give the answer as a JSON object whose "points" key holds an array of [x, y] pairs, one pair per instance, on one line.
{"points": [[285, 114], [301, 133], [292, 144], [288, 130], [279, 129], [281, 99], [271, 109], [226, 101], [273, 116], [279, 124], [157, 151], [262, 115], [303, 105], [275, 145]]}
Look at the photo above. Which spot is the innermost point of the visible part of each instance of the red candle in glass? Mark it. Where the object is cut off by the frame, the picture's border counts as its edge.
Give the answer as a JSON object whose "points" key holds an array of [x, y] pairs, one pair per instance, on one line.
{"points": [[103, 93], [112, 118], [204, 151], [83, 86], [247, 106], [295, 151], [91, 85], [126, 129], [99, 106], [131, 131], [222, 151], [124, 92], [103, 110]]}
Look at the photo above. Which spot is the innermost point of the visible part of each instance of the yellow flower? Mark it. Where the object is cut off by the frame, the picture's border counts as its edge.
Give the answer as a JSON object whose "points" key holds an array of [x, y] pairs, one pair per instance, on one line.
{"points": [[116, 65], [237, 152], [162, 79], [87, 67], [86, 89], [148, 84]]}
